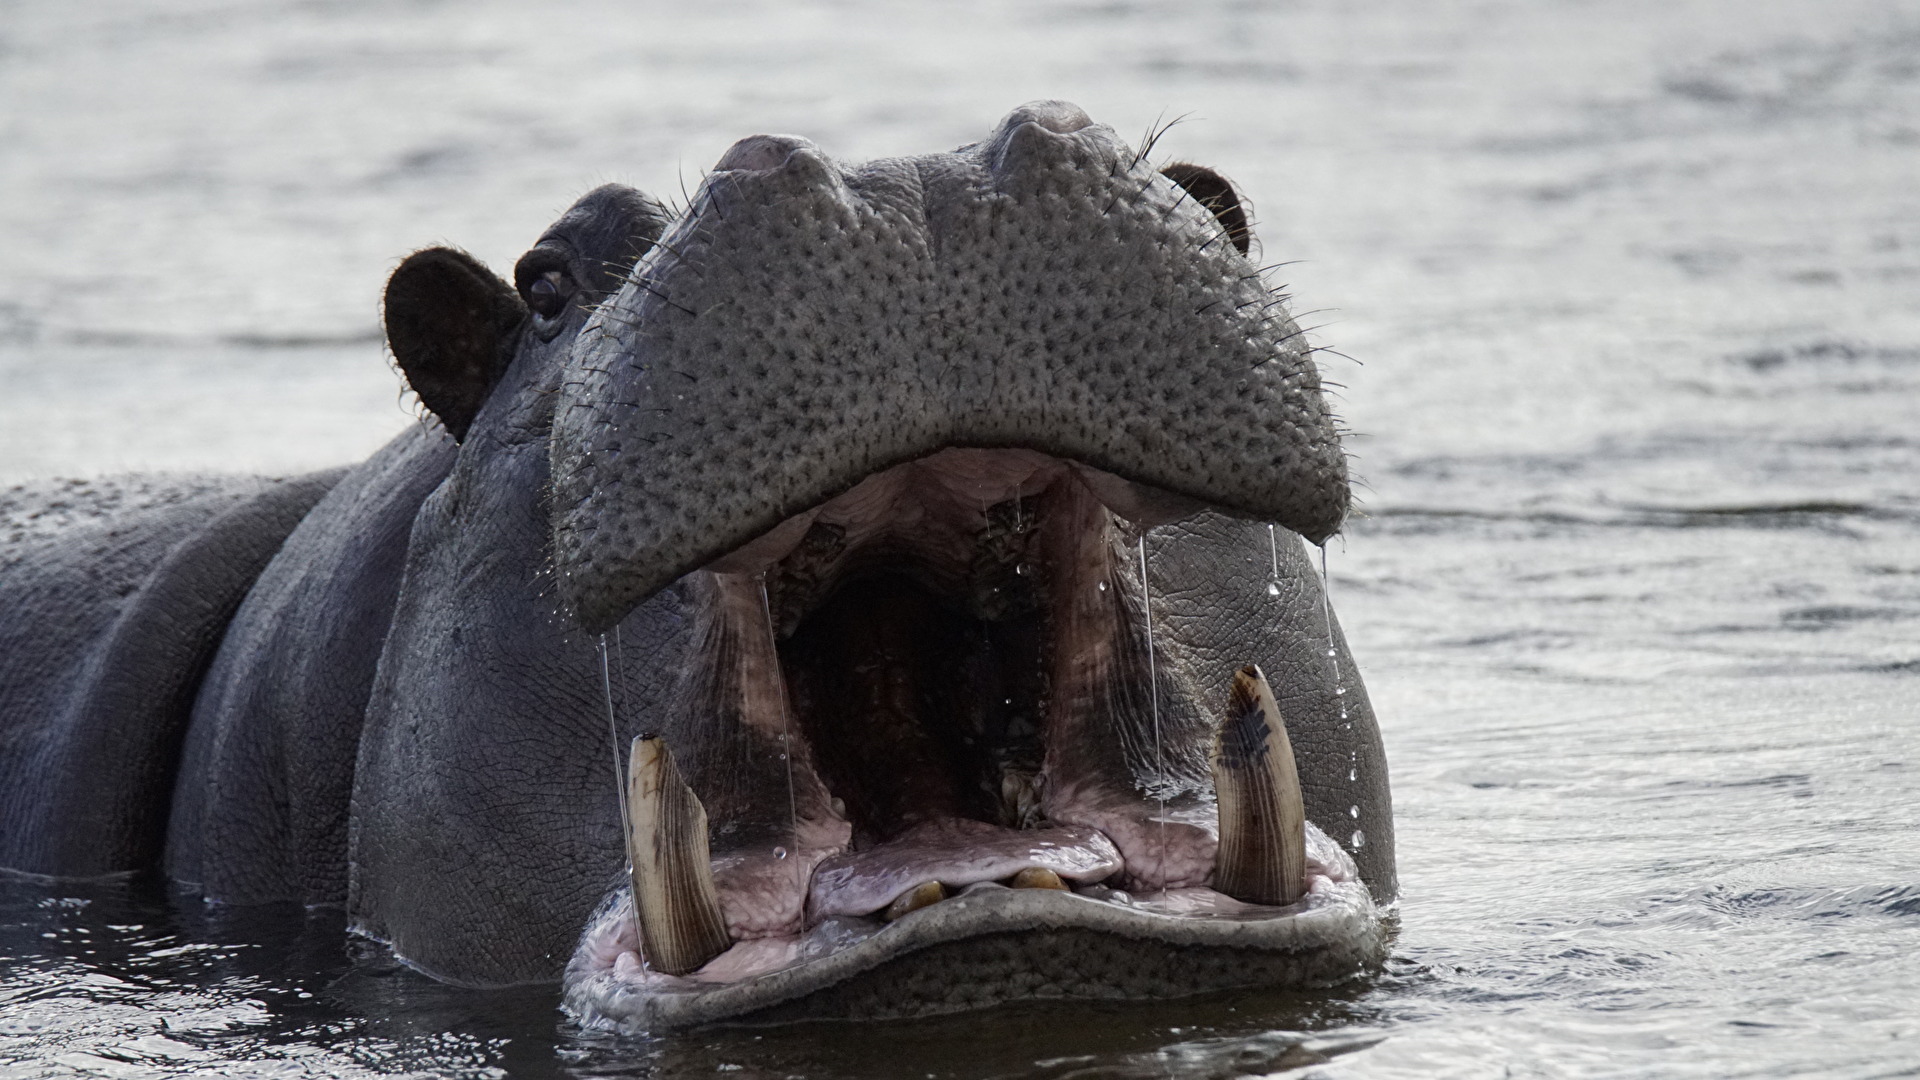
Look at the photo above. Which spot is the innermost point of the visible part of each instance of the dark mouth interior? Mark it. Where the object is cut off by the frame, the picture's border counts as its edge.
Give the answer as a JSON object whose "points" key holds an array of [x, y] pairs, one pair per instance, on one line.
{"points": [[921, 704], [918, 632], [940, 627]]}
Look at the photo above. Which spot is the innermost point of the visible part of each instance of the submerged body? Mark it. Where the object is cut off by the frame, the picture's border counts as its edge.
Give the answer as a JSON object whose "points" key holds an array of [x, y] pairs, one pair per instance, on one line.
{"points": [[922, 510]]}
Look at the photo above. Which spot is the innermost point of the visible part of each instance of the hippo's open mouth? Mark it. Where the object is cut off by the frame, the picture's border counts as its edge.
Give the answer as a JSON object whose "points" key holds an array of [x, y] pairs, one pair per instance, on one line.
{"points": [[949, 675], [900, 442]]}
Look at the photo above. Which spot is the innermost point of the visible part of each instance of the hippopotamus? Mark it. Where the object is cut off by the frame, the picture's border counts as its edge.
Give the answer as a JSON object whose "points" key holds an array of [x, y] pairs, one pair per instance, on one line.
{"points": [[872, 590]]}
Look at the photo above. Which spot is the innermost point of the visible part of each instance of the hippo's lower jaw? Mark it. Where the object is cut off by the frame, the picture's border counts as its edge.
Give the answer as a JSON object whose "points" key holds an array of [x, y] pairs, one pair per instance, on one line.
{"points": [[947, 680], [991, 944]]}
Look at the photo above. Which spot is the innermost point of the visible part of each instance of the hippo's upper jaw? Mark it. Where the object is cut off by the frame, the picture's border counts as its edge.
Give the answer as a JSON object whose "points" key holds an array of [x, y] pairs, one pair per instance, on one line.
{"points": [[805, 326], [931, 451]]}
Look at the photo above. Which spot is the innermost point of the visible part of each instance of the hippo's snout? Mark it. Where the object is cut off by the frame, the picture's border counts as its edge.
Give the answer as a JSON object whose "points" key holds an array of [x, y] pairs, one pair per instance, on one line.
{"points": [[803, 327]]}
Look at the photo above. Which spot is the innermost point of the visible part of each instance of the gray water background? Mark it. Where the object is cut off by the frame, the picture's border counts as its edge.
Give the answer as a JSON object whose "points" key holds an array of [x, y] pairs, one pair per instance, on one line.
{"points": [[1633, 295]]}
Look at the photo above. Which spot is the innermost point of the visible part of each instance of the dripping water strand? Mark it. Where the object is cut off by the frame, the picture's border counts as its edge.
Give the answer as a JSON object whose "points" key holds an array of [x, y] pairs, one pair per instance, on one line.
{"points": [[622, 703], [1359, 837], [1273, 547], [786, 740], [613, 743], [1153, 697], [620, 661], [1333, 651]]}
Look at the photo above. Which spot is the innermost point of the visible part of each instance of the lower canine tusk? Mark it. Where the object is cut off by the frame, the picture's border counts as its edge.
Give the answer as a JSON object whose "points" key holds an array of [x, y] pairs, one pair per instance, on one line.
{"points": [[1263, 822], [674, 901]]}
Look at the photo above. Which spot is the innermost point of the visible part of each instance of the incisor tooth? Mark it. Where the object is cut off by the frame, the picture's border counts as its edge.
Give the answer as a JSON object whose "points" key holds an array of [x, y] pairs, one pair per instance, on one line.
{"points": [[1036, 877], [674, 901], [921, 895], [1263, 823]]}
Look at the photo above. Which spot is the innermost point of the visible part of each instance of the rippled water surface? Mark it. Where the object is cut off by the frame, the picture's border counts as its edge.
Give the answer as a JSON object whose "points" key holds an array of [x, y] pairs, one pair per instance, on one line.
{"points": [[1633, 292]]}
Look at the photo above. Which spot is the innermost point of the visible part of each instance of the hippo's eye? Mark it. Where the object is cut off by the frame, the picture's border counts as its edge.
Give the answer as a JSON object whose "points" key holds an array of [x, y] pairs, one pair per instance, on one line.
{"points": [[547, 296]]}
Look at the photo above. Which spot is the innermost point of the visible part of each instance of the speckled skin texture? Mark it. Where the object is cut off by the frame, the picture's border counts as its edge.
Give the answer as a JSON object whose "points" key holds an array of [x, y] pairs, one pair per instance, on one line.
{"points": [[806, 324], [1042, 964]]}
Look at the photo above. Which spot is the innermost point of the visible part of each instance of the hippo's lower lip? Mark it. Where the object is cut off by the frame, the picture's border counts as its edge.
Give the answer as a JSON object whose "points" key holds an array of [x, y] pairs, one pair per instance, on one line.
{"points": [[938, 650], [991, 944]]}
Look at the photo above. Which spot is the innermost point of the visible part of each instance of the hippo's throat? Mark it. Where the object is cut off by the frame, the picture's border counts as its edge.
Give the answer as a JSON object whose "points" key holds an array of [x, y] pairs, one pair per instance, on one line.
{"points": [[944, 681]]}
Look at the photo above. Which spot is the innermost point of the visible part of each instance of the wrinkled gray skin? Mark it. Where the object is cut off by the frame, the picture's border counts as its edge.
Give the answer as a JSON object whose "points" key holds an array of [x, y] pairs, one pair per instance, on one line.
{"points": [[384, 689]]}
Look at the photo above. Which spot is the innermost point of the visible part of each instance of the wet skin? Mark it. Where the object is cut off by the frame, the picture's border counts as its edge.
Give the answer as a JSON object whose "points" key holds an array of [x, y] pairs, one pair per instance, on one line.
{"points": [[922, 508]]}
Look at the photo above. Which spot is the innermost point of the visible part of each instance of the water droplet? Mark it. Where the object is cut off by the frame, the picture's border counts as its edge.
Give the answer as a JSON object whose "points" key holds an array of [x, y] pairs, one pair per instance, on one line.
{"points": [[779, 853], [1359, 840], [1008, 701], [1101, 586], [1024, 569], [1353, 811], [1339, 691], [1353, 774], [1273, 588]]}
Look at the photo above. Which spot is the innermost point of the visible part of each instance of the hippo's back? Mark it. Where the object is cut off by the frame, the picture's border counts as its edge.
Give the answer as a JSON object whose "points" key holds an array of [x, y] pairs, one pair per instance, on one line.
{"points": [[114, 594]]}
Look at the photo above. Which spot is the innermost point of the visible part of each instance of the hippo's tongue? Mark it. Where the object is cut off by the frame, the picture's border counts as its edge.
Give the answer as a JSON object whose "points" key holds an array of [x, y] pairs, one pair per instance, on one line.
{"points": [[804, 327]]}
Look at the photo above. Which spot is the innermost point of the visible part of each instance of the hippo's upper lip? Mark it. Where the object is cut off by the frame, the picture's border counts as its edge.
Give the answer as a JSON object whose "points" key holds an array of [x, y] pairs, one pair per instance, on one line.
{"points": [[803, 327]]}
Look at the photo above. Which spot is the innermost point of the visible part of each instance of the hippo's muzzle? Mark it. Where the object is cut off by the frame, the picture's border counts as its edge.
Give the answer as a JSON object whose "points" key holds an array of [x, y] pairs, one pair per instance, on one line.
{"points": [[908, 442]]}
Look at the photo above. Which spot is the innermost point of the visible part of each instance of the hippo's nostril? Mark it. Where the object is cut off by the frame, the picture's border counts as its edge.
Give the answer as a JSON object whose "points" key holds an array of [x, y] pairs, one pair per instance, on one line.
{"points": [[1059, 117], [758, 153]]}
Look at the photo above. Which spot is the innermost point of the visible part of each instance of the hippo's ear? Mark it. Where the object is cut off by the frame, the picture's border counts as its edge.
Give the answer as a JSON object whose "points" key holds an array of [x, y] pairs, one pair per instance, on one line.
{"points": [[450, 323], [1212, 191]]}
